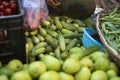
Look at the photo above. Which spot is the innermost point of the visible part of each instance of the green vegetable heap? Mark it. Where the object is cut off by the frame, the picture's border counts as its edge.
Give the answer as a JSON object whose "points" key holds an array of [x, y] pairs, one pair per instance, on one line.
{"points": [[110, 27]]}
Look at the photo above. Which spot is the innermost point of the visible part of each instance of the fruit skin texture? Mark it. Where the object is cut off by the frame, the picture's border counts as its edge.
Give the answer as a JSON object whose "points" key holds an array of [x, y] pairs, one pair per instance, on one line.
{"points": [[96, 55], [65, 76], [102, 64], [8, 11], [99, 75], [51, 62], [111, 73], [36, 68], [15, 65], [71, 65], [6, 71], [114, 67], [3, 77], [83, 74], [86, 62], [8, 7], [21, 75], [49, 75], [115, 78]]}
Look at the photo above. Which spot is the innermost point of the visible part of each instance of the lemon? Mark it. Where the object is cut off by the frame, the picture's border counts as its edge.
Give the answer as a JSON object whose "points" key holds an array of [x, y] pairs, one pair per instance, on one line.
{"points": [[111, 73], [49, 75], [99, 75], [114, 67], [51, 62], [71, 65], [15, 65], [96, 55], [115, 78], [36, 68], [3, 77], [65, 76], [6, 71], [86, 62], [75, 55], [83, 74], [102, 64], [21, 75]]}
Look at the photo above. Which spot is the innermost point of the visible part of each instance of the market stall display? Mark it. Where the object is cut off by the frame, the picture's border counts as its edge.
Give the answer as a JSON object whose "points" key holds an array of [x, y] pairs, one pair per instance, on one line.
{"points": [[56, 49]]}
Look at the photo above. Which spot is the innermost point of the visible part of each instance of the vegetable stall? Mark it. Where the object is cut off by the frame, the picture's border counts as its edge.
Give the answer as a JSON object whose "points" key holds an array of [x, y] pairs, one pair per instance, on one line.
{"points": [[38, 44]]}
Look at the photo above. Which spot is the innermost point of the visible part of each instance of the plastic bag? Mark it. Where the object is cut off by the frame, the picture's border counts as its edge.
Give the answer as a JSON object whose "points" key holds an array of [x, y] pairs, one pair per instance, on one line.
{"points": [[35, 12]]}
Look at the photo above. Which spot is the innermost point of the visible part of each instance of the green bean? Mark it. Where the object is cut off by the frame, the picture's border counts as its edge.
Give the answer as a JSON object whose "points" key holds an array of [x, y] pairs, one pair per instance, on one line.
{"points": [[110, 28]]}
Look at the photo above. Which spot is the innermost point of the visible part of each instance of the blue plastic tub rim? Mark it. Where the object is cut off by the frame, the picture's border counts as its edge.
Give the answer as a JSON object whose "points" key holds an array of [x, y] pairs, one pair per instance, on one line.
{"points": [[88, 32]]}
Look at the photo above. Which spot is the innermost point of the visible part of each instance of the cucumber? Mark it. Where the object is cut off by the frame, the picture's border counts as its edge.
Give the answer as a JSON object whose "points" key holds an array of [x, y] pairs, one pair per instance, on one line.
{"points": [[68, 26], [41, 38], [71, 35], [35, 39], [76, 25], [58, 23], [42, 32], [30, 43], [79, 22], [27, 51], [48, 49], [37, 51], [61, 41], [66, 31], [33, 33], [53, 27], [69, 20], [67, 41], [57, 53], [39, 45], [27, 33], [52, 33], [27, 48], [80, 29], [52, 54], [51, 41], [72, 43], [45, 23]]}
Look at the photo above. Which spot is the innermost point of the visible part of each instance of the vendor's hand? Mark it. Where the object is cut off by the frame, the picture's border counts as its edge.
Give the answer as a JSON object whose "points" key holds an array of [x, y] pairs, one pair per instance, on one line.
{"points": [[53, 3]]}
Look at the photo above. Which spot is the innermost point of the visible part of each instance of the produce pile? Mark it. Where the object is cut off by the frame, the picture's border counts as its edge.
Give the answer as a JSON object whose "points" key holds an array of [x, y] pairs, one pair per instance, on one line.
{"points": [[54, 49], [55, 52], [9, 7], [110, 28], [95, 66], [56, 36]]}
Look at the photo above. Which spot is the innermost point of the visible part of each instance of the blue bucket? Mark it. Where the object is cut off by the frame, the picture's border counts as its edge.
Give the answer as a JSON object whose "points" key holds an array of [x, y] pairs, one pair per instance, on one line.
{"points": [[88, 40]]}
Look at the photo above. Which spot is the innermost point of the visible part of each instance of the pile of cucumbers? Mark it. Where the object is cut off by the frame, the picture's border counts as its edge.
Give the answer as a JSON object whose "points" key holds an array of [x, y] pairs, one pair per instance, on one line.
{"points": [[54, 36]]}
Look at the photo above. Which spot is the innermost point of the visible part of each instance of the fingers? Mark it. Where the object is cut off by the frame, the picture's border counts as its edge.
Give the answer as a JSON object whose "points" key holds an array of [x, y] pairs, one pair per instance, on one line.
{"points": [[53, 3]]}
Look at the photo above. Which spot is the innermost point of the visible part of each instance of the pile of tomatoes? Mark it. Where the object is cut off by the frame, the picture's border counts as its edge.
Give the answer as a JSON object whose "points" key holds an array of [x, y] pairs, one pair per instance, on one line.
{"points": [[8, 7]]}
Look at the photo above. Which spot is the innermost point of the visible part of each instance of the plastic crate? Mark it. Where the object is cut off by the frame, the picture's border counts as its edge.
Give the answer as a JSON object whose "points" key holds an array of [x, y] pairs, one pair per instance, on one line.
{"points": [[12, 38]]}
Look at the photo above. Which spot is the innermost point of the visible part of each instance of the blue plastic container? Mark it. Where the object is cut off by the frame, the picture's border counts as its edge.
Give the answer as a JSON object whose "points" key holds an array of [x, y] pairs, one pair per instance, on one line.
{"points": [[88, 40]]}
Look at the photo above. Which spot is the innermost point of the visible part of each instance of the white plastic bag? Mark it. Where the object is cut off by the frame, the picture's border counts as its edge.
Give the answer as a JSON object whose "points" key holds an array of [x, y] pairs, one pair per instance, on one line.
{"points": [[35, 12]]}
